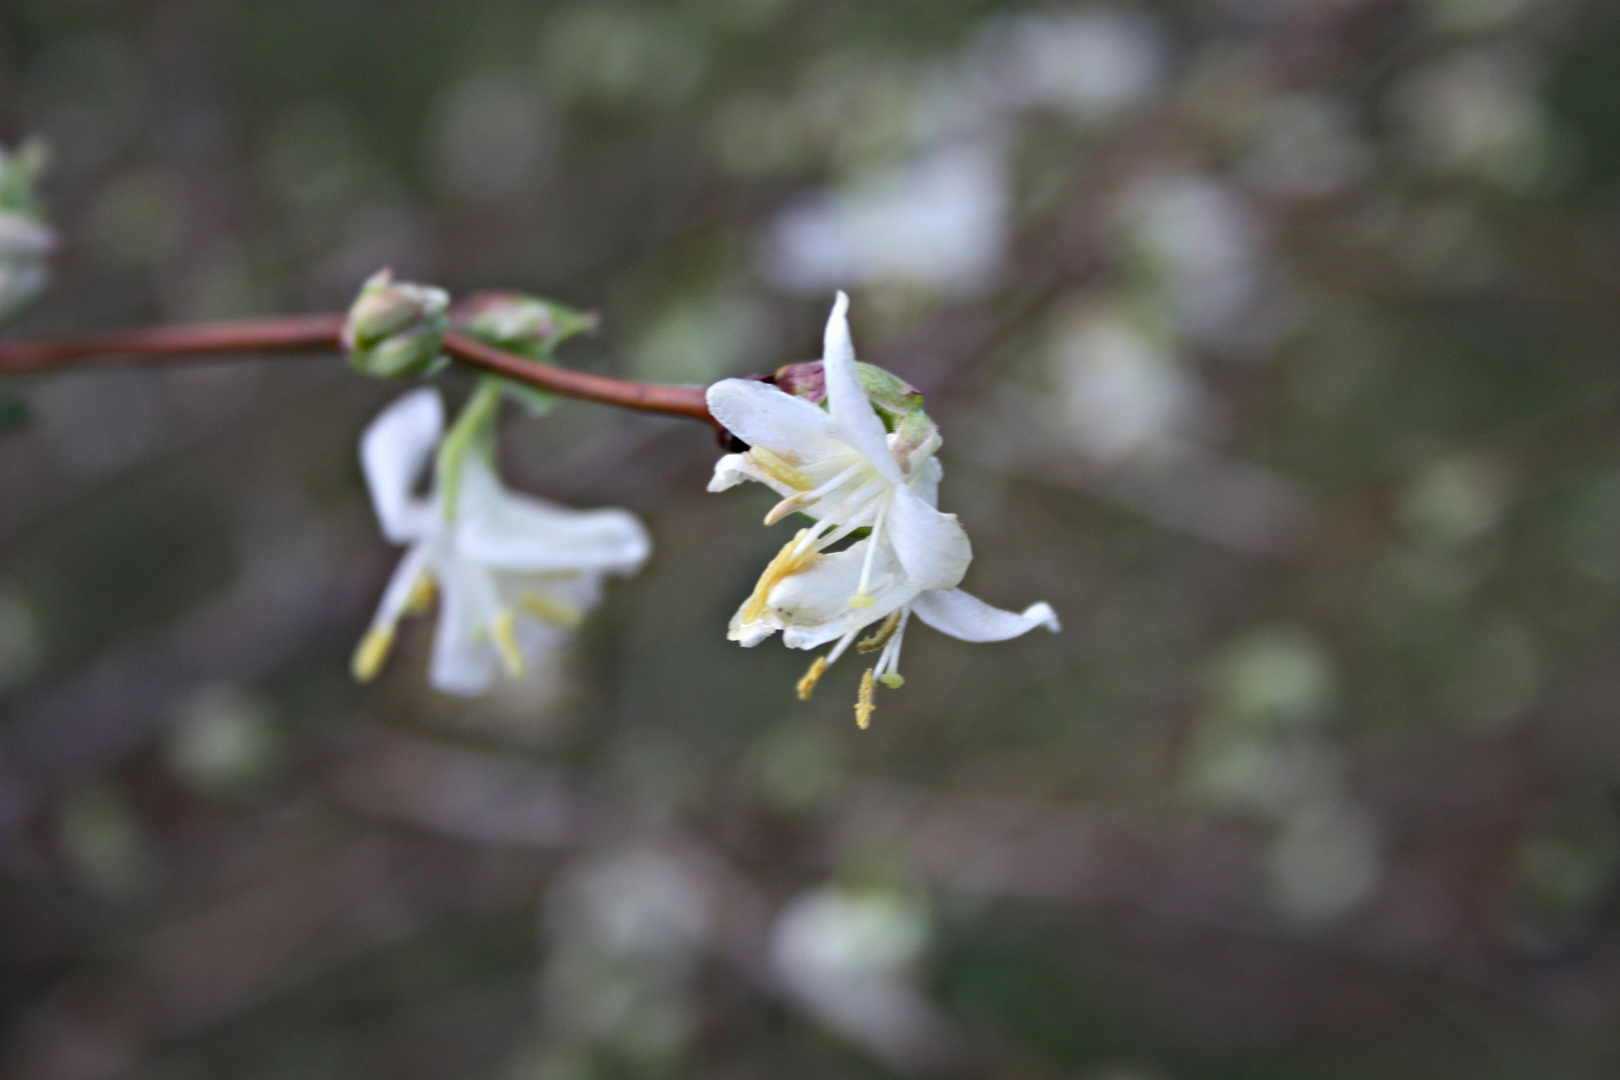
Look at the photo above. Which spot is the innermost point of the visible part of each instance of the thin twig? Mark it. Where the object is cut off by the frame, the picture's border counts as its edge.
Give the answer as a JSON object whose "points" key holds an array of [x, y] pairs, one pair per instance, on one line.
{"points": [[175, 344], [687, 401]]}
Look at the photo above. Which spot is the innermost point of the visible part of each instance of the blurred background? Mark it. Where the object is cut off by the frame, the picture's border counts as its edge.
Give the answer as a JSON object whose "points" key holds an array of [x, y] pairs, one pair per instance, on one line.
{"points": [[1273, 344]]}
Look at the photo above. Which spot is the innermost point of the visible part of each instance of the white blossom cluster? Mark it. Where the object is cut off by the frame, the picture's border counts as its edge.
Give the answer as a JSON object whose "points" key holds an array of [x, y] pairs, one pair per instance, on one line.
{"points": [[846, 445]]}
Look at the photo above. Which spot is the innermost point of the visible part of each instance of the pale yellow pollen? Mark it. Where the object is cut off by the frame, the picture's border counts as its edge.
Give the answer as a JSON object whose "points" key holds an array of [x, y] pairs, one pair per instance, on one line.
{"points": [[807, 685], [372, 651], [862, 599], [504, 634], [881, 637], [422, 594], [789, 561], [893, 680], [863, 704], [779, 468], [552, 610]]}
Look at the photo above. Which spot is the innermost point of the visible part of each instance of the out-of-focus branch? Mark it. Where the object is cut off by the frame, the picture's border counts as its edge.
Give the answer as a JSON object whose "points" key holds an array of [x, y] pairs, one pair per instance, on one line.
{"points": [[172, 344]]}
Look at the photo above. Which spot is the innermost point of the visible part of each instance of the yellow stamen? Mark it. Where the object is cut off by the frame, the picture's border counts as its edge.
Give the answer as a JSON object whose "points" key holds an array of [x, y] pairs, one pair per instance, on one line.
{"points": [[885, 631], [552, 610], [372, 651], [780, 469], [504, 633], [422, 594], [861, 599], [863, 704], [789, 561], [807, 685], [893, 680], [786, 507]]}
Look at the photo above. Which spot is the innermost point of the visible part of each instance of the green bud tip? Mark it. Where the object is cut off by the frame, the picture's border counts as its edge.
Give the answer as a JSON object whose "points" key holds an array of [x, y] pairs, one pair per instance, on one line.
{"points": [[395, 329]]}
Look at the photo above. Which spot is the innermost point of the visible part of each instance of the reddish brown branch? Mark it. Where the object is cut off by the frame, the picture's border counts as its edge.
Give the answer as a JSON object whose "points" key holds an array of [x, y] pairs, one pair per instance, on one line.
{"points": [[687, 401], [167, 344], [173, 343]]}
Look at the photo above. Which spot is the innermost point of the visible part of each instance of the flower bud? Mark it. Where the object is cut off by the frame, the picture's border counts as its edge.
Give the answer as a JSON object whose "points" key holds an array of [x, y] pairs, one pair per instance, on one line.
{"points": [[899, 404], [395, 328], [522, 324]]}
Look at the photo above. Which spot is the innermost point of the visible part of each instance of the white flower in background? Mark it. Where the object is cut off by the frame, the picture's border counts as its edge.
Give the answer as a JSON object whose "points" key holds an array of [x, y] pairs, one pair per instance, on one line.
{"points": [[850, 958], [25, 239], [1478, 112], [940, 221], [845, 469], [1204, 243], [1124, 395], [1091, 64], [514, 574]]}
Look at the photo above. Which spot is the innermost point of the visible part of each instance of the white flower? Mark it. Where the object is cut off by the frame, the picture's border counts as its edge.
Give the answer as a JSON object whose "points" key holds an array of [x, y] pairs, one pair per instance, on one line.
{"points": [[514, 574], [842, 467]]}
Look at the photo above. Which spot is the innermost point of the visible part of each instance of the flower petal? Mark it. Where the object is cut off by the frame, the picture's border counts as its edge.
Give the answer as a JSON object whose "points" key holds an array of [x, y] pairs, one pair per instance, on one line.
{"points": [[931, 546], [857, 422], [393, 451], [812, 607], [733, 469], [507, 531], [965, 616], [464, 658], [402, 585], [761, 415]]}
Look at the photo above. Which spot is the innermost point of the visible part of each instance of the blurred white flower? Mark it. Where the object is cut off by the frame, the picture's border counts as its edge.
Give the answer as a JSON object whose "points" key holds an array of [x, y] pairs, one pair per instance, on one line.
{"points": [[1091, 64], [514, 573], [1306, 145], [1204, 242], [1479, 113], [1326, 861], [848, 957], [842, 468], [940, 221], [25, 240], [625, 937], [1124, 395]]}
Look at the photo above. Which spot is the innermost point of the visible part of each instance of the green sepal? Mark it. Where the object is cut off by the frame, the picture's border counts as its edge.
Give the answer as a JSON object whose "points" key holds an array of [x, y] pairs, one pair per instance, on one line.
{"points": [[535, 401], [473, 432], [519, 323]]}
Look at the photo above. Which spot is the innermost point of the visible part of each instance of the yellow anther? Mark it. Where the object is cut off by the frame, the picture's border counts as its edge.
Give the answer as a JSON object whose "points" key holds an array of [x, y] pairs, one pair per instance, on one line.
{"points": [[372, 651], [893, 680], [807, 685], [422, 594], [885, 631], [789, 561], [862, 599], [552, 610], [787, 506], [504, 634], [863, 704], [780, 469]]}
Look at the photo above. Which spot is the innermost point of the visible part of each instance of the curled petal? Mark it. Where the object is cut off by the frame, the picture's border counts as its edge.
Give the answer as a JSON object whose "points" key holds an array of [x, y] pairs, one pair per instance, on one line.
{"points": [[932, 547], [506, 531], [851, 411], [733, 469], [812, 607], [465, 661], [393, 451], [965, 616], [761, 415]]}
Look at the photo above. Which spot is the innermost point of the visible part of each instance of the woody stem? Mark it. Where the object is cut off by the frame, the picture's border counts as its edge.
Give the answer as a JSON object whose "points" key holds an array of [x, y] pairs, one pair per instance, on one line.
{"points": [[319, 333]]}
